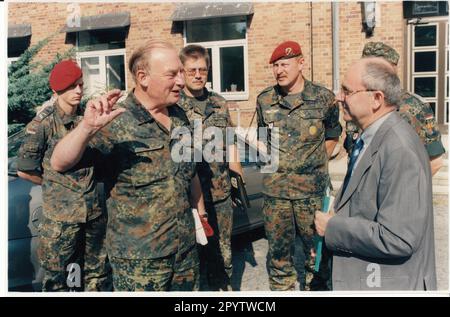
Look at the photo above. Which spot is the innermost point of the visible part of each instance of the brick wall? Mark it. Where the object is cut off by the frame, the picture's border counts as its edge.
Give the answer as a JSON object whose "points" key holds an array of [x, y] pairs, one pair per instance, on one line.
{"points": [[271, 24]]}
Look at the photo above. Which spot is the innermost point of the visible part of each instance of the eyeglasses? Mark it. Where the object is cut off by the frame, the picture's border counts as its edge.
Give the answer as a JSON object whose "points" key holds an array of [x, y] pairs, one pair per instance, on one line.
{"points": [[193, 71], [348, 93]]}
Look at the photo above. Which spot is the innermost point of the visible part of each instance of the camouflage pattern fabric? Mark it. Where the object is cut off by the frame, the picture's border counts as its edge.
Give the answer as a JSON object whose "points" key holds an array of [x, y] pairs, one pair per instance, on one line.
{"points": [[212, 110], [283, 219], [379, 49], [74, 229], [418, 113], [214, 178], [69, 197], [177, 272], [149, 214], [303, 125], [216, 255], [62, 244]]}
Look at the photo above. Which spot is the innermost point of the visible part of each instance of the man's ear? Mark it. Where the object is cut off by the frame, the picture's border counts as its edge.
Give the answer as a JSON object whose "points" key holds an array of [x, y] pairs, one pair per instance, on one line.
{"points": [[301, 63], [378, 97], [142, 78]]}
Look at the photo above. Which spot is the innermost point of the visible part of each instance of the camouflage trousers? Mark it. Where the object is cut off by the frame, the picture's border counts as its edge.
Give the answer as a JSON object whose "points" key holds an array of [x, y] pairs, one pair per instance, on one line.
{"points": [[216, 256], [177, 272], [283, 219], [74, 256]]}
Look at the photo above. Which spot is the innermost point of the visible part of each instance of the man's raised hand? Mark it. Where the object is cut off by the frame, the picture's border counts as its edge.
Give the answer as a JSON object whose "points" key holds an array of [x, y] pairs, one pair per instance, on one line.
{"points": [[99, 112]]}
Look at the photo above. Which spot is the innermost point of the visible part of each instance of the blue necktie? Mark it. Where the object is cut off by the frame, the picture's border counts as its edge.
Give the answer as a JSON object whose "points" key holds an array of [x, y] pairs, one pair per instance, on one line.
{"points": [[351, 162]]}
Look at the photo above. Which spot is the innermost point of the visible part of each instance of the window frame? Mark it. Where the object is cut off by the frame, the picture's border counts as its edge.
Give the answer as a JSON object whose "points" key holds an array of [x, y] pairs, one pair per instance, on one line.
{"points": [[429, 47], [215, 47], [412, 74], [102, 54], [11, 60], [425, 51]]}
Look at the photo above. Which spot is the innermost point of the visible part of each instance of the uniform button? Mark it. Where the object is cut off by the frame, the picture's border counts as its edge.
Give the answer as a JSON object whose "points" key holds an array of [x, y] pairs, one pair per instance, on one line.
{"points": [[289, 134]]}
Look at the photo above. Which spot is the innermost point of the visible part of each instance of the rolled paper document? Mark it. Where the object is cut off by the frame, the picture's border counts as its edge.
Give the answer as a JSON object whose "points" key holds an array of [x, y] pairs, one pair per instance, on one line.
{"points": [[327, 204], [200, 235]]}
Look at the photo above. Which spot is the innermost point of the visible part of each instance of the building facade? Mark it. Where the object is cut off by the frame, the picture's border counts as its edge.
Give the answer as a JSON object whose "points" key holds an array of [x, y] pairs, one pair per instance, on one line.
{"points": [[241, 38]]}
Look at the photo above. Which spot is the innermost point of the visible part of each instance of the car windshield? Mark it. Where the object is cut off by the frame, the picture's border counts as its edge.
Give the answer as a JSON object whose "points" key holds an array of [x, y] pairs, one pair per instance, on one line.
{"points": [[252, 155], [14, 143]]}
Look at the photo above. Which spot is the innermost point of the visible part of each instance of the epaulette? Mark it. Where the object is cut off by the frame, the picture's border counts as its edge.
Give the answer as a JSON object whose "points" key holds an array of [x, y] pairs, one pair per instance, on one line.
{"points": [[217, 100], [322, 86], [419, 98], [265, 90], [44, 112]]}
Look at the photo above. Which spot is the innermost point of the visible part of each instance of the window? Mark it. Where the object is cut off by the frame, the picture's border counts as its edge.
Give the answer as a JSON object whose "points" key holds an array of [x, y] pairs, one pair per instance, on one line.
{"points": [[11, 60], [425, 61], [425, 56], [425, 86], [425, 7], [226, 41], [16, 47], [422, 9], [447, 99], [101, 55]]}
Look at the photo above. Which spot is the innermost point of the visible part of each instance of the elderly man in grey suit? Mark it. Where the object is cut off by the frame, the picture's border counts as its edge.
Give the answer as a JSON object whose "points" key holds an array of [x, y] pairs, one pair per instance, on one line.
{"points": [[381, 231]]}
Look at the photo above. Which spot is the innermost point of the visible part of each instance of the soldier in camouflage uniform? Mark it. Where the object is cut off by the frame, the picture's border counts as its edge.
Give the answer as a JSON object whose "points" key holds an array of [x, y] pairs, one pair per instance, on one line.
{"points": [[73, 228], [413, 109], [211, 111], [307, 119], [151, 234]]}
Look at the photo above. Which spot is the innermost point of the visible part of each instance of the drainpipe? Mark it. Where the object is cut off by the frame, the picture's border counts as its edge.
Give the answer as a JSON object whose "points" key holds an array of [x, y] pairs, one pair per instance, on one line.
{"points": [[335, 32], [311, 43]]}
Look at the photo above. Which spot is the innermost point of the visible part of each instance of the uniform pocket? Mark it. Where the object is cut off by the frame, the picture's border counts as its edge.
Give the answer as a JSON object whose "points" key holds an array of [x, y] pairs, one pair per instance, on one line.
{"points": [[149, 164], [50, 229], [311, 125], [272, 118], [220, 121]]}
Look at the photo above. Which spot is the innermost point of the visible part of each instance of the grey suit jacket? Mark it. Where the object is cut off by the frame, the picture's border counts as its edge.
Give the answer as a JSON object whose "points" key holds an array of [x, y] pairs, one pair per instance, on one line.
{"points": [[382, 236]]}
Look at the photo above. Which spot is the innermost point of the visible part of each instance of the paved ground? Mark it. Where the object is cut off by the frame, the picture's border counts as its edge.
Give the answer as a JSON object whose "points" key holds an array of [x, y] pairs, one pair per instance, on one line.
{"points": [[250, 250]]}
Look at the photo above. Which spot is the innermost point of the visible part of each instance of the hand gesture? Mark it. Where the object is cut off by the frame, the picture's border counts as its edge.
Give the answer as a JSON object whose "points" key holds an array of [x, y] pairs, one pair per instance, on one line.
{"points": [[99, 112]]}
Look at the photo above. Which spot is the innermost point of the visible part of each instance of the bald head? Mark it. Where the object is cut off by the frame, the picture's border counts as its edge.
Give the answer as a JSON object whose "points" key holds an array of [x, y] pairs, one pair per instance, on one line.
{"points": [[376, 73], [142, 57]]}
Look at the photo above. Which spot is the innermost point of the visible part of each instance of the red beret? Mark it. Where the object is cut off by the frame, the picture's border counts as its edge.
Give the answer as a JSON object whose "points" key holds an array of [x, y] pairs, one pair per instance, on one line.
{"points": [[64, 74], [286, 50]]}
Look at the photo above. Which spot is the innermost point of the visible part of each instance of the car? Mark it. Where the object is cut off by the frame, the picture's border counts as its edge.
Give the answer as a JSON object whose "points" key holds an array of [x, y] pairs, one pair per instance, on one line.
{"points": [[25, 214]]}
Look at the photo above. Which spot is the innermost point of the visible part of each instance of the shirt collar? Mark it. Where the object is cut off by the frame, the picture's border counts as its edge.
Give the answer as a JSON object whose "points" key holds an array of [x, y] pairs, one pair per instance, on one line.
{"points": [[137, 109], [66, 118], [372, 129], [308, 93], [197, 103]]}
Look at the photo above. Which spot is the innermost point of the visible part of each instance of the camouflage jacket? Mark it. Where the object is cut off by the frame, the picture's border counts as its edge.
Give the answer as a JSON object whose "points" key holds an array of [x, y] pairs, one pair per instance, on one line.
{"points": [[149, 212], [213, 112], [303, 127], [419, 115], [69, 197]]}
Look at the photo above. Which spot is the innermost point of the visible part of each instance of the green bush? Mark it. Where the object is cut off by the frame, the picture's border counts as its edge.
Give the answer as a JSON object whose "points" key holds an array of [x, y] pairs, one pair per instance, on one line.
{"points": [[28, 85]]}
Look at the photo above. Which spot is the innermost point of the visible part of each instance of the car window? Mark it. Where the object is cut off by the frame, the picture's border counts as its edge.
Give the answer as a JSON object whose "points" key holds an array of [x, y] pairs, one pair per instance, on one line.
{"points": [[251, 155], [14, 143]]}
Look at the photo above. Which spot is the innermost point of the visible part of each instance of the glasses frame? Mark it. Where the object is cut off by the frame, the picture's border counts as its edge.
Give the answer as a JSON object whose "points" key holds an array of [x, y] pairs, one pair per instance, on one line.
{"points": [[191, 72]]}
